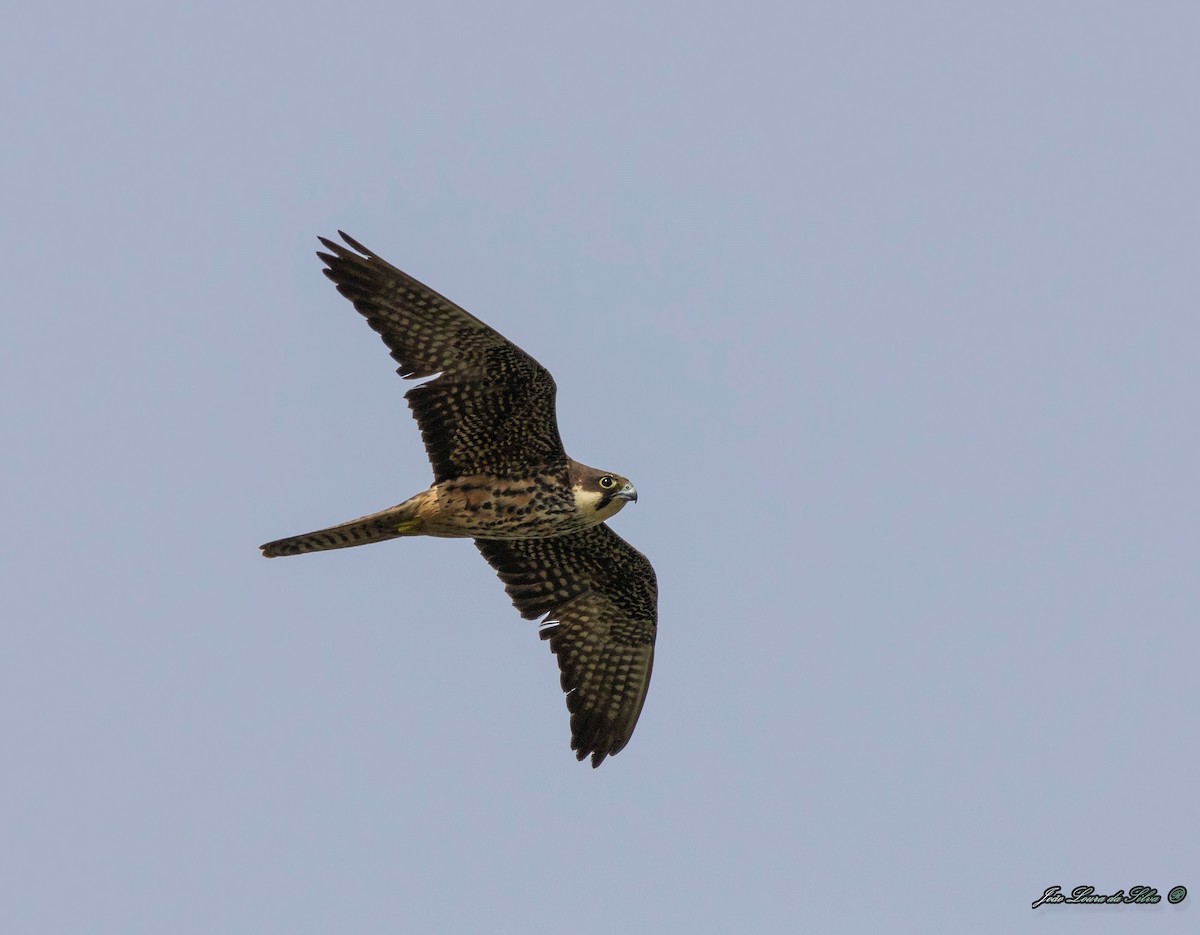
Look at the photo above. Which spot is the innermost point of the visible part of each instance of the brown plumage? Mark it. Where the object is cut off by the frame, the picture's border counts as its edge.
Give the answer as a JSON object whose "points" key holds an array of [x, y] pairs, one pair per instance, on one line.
{"points": [[502, 478]]}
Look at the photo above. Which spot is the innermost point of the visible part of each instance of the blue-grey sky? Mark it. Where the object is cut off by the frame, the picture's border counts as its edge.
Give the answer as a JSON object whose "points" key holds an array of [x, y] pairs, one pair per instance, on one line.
{"points": [[891, 312]]}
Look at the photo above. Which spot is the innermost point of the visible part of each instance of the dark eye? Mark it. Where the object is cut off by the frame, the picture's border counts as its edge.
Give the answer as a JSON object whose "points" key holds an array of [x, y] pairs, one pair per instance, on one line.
{"points": [[606, 481]]}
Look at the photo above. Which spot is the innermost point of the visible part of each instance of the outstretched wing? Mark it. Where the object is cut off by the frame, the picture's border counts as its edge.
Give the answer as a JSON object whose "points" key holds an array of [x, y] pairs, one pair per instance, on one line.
{"points": [[600, 599], [492, 409]]}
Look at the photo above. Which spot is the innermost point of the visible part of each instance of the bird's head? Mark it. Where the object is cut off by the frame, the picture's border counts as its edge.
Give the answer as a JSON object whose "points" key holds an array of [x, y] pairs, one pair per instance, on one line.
{"points": [[599, 494]]}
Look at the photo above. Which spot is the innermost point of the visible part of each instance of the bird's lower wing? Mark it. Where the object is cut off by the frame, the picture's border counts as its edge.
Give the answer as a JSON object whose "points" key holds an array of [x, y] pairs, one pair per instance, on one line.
{"points": [[599, 598]]}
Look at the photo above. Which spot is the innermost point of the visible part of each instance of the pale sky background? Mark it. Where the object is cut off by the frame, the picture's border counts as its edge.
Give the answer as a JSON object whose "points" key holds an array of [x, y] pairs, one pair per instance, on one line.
{"points": [[892, 313]]}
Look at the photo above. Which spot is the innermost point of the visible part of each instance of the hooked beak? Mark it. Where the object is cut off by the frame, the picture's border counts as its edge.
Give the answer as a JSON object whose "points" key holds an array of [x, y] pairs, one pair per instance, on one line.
{"points": [[626, 492]]}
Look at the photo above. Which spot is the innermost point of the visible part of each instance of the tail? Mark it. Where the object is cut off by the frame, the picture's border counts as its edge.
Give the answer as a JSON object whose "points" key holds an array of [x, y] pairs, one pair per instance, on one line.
{"points": [[392, 523]]}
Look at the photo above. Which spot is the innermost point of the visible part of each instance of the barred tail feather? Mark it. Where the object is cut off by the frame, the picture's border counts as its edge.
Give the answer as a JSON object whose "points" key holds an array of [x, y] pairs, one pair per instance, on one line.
{"points": [[398, 521]]}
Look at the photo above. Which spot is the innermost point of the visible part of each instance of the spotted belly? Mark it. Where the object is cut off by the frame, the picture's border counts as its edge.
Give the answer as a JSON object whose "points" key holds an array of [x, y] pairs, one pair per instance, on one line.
{"points": [[500, 508]]}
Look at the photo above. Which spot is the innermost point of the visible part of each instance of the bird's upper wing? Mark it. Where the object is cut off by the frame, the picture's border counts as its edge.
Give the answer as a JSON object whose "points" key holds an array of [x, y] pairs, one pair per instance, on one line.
{"points": [[492, 409], [600, 599]]}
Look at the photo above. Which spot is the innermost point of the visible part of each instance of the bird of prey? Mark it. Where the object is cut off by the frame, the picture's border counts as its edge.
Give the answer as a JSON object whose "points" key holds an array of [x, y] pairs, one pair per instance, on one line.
{"points": [[502, 478]]}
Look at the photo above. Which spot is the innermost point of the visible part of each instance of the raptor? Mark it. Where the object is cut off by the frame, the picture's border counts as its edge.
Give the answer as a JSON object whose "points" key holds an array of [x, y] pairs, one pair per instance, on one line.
{"points": [[502, 477]]}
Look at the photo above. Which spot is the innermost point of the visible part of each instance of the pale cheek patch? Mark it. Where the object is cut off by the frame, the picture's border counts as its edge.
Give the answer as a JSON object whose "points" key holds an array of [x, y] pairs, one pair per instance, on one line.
{"points": [[586, 501]]}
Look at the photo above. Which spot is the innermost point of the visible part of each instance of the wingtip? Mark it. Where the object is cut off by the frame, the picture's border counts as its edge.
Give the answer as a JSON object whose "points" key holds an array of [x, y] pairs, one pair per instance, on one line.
{"points": [[351, 248], [354, 244], [584, 751]]}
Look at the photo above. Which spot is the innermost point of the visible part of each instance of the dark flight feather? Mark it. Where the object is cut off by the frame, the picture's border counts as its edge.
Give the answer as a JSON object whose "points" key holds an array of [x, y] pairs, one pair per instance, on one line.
{"points": [[599, 597], [491, 409]]}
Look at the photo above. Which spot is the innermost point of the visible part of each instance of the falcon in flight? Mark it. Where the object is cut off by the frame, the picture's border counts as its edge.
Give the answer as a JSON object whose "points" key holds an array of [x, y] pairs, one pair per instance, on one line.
{"points": [[502, 478]]}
